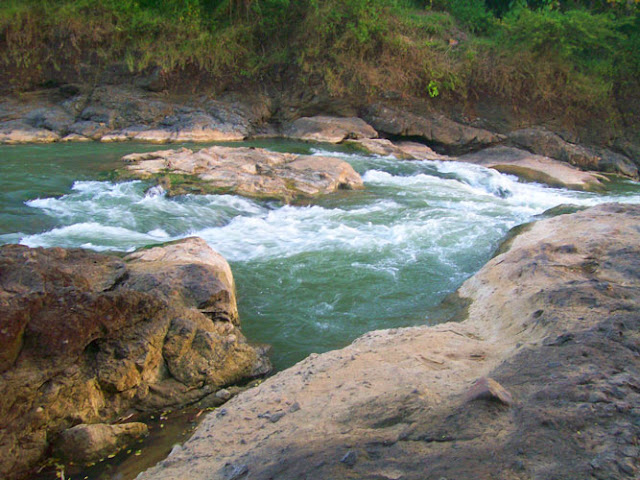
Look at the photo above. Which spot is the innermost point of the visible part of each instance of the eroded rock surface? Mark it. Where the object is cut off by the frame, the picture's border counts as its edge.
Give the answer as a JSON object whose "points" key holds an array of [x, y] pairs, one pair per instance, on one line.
{"points": [[252, 172], [85, 337], [553, 323]]}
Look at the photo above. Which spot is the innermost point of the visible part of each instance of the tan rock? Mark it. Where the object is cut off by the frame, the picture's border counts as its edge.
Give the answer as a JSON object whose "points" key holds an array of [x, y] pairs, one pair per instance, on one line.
{"points": [[329, 129], [251, 172], [25, 134], [535, 168], [74, 137], [400, 150]]}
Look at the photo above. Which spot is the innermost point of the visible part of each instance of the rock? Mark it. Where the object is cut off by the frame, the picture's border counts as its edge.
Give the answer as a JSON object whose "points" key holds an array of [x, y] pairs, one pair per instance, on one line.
{"points": [[85, 337], [90, 129], [55, 119], [543, 142], [252, 172], [223, 394], [449, 136], [350, 458], [488, 389], [84, 444], [14, 132], [74, 137], [400, 150], [401, 395], [534, 168], [329, 129]]}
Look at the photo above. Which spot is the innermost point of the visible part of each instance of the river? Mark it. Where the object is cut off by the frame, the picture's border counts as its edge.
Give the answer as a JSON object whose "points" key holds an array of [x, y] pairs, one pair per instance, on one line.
{"points": [[310, 277]]}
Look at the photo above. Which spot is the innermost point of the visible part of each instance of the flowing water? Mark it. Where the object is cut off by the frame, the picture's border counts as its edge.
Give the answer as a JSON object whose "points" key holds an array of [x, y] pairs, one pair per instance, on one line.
{"points": [[310, 277]]}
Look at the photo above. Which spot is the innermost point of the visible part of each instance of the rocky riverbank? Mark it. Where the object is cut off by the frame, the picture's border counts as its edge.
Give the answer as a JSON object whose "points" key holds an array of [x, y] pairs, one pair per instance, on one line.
{"points": [[541, 380], [120, 113], [88, 338]]}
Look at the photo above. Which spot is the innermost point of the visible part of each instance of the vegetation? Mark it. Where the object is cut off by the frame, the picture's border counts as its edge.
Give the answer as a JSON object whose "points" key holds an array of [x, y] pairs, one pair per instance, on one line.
{"points": [[578, 56]]}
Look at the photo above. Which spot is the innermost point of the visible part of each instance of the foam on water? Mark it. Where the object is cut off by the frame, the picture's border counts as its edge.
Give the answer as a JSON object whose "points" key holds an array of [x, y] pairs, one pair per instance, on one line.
{"points": [[311, 278]]}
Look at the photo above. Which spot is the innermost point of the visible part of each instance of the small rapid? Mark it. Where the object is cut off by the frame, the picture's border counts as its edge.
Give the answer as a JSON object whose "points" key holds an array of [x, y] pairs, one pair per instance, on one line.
{"points": [[314, 277]]}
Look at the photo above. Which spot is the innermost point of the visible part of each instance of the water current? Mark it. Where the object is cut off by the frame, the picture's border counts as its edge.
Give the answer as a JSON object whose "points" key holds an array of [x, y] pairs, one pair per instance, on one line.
{"points": [[310, 277]]}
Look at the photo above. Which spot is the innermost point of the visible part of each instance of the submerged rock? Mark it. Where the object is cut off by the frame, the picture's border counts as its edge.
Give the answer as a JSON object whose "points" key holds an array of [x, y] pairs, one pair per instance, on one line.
{"points": [[84, 444], [252, 172], [85, 337], [329, 129], [552, 320]]}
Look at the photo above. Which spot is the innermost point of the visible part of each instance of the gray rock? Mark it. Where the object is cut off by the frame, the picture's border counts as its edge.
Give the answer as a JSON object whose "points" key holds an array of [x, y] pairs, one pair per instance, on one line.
{"points": [[435, 129]]}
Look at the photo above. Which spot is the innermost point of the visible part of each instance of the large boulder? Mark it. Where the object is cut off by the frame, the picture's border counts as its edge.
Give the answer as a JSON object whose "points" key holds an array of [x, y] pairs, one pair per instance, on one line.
{"points": [[252, 172], [541, 380], [85, 337], [329, 129], [441, 132], [535, 168], [540, 141]]}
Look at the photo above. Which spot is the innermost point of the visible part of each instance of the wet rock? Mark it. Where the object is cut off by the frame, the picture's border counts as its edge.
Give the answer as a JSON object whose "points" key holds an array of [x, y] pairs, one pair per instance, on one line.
{"points": [[534, 168], [85, 337], [436, 129], [252, 172], [223, 394], [85, 444], [329, 129]]}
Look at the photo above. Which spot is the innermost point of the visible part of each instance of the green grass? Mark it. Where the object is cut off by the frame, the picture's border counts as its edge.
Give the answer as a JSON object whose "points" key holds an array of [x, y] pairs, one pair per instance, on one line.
{"points": [[557, 57]]}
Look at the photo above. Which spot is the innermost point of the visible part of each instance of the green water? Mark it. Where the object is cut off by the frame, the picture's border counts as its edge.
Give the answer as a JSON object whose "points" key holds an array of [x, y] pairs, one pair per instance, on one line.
{"points": [[310, 277]]}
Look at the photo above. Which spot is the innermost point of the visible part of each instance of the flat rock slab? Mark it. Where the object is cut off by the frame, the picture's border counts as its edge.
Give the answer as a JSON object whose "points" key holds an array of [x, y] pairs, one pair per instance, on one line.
{"points": [[252, 172], [329, 129], [536, 168], [553, 321], [399, 150]]}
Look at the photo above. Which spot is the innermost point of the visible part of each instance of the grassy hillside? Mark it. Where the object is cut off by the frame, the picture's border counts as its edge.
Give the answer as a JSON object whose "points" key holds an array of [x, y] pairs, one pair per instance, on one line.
{"points": [[576, 57]]}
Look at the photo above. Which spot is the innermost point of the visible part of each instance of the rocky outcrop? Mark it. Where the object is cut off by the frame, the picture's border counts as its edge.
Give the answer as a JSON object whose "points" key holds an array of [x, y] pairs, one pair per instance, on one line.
{"points": [[328, 129], [252, 172], [535, 168], [543, 142], [542, 380], [449, 136], [86, 337], [109, 113], [84, 444]]}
